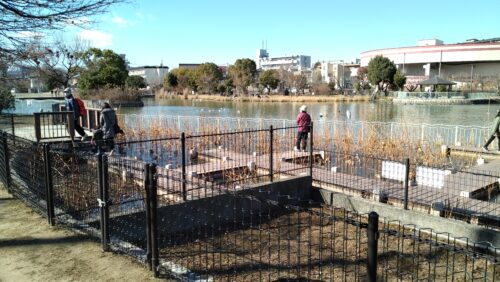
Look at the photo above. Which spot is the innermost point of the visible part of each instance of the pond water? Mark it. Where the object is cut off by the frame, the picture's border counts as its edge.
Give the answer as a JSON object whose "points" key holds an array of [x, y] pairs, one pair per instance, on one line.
{"points": [[474, 115], [477, 115]]}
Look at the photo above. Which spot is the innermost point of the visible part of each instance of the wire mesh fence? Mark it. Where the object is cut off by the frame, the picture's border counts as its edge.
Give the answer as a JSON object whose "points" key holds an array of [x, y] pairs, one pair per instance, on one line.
{"points": [[231, 206], [27, 172], [75, 188], [235, 238], [18, 124], [409, 253], [125, 201]]}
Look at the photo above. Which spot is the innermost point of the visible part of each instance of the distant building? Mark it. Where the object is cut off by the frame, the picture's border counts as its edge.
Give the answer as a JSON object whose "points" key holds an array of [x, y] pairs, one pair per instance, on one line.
{"points": [[339, 72], [290, 63], [189, 66], [153, 75], [431, 57]]}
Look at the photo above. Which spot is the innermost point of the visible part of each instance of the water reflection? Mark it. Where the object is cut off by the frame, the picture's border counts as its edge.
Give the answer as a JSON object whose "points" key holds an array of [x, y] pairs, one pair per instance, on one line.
{"points": [[384, 111], [478, 115]]}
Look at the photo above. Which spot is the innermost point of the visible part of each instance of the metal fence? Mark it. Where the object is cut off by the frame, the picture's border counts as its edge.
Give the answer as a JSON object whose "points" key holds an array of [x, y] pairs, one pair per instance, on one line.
{"points": [[151, 127], [161, 126], [225, 206], [470, 194]]}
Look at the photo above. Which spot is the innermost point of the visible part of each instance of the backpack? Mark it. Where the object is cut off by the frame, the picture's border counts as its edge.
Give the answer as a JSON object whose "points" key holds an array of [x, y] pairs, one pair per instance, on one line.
{"points": [[81, 105]]}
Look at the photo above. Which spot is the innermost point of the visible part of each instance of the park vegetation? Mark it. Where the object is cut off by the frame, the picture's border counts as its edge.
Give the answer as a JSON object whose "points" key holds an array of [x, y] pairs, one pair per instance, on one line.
{"points": [[22, 25]]}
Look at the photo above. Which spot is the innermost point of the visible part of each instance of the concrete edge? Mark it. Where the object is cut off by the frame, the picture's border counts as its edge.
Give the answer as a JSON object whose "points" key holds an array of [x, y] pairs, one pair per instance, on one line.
{"points": [[455, 228]]}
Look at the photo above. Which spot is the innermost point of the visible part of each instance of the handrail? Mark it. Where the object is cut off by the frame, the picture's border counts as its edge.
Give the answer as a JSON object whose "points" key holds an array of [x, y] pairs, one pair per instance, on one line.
{"points": [[54, 125], [90, 120]]}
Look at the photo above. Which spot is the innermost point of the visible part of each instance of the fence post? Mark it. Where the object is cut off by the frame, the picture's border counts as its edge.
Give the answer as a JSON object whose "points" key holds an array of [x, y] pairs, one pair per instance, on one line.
{"points": [[407, 180], [271, 151], [311, 146], [372, 231], [12, 124], [102, 167], [456, 135], [49, 198], [71, 125], [154, 224], [183, 150], [148, 215], [6, 160], [38, 130]]}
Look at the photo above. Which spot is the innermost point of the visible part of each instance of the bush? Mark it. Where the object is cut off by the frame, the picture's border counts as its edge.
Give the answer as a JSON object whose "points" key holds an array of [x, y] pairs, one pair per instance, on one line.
{"points": [[442, 88], [113, 94], [7, 100]]}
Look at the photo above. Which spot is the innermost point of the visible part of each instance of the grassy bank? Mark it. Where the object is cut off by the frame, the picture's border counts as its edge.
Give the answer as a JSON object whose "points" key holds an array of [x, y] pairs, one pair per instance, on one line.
{"points": [[269, 98]]}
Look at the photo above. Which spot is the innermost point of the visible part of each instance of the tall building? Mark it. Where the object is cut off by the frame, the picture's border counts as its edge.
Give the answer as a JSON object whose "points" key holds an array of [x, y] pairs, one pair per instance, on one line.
{"points": [[290, 63]]}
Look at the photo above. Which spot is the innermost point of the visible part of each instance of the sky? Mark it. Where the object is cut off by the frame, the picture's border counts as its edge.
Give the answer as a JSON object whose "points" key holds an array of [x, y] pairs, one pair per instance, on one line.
{"points": [[220, 31]]}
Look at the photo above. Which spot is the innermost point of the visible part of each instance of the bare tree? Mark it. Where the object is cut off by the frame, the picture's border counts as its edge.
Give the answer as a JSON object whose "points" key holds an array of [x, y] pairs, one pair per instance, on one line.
{"points": [[20, 20], [58, 62]]}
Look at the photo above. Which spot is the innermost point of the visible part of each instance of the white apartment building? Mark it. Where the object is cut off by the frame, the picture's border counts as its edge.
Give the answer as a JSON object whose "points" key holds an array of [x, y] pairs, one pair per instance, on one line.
{"points": [[339, 72], [153, 75], [290, 63]]}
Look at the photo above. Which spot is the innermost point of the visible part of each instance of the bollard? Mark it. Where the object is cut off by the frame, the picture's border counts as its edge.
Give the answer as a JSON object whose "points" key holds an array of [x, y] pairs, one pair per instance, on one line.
{"points": [[372, 233]]}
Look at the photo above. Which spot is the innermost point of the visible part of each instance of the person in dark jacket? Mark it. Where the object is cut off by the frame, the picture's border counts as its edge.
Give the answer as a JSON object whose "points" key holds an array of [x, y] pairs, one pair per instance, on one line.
{"points": [[304, 123], [107, 123], [72, 105], [494, 131]]}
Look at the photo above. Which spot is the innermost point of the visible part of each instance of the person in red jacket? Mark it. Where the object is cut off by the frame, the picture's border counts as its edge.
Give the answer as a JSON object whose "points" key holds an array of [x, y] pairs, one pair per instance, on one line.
{"points": [[304, 123]]}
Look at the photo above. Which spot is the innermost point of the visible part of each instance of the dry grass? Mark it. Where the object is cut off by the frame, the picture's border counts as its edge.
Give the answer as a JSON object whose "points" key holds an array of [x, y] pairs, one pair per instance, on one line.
{"points": [[268, 98], [372, 142]]}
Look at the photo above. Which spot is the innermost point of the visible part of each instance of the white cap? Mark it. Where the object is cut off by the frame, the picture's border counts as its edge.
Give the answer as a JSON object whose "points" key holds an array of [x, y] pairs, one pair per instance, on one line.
{"points": [[303, 108], [67, 91]]}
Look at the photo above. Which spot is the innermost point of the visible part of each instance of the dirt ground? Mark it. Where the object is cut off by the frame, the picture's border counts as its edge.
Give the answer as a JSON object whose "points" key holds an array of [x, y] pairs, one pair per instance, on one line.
{"points": [[32, 250]]}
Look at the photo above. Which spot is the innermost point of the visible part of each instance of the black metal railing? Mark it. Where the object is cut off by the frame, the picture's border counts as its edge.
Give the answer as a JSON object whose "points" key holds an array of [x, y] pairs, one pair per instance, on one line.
{"points": [[188, 218]]}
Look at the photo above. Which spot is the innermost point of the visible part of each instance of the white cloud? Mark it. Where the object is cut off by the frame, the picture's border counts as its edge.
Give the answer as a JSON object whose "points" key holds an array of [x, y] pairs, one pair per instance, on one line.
{"points": [[119, 20], [97, 38]]}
